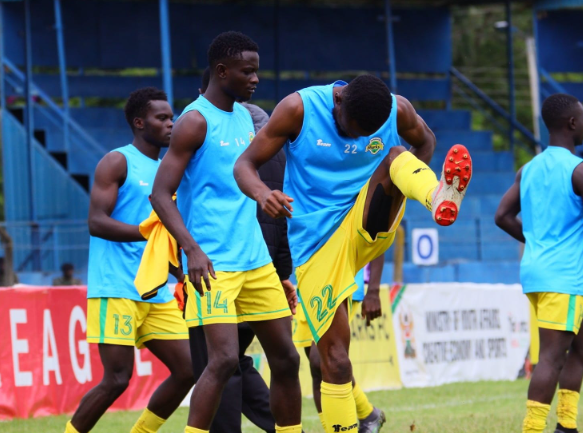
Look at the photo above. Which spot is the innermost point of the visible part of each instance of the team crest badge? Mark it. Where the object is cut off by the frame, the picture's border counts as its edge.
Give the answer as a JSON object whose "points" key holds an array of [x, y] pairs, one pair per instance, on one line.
{"points": [[374, 145], [251, 136]]}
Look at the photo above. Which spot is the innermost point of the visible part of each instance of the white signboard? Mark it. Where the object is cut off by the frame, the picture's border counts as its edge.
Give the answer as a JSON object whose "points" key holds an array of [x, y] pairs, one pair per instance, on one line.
{"points": [[425, 244], [456, 332]]}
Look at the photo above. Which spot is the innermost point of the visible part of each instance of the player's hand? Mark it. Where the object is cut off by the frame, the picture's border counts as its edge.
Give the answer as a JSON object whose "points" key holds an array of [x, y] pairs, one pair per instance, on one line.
{"points": [[290, 294], [371, 305], [199, 268], [276, 204], [176, 272]]}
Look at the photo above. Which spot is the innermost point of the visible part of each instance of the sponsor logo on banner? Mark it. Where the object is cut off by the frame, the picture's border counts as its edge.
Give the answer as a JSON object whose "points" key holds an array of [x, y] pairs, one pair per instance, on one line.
{"points": [[407, 336], [48, 366], [454, 332]]}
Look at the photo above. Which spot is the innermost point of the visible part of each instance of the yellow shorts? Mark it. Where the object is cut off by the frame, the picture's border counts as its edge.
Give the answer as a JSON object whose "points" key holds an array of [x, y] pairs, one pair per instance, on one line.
{"points": [[238, 297], [133, 323], [557, 311], [327, 278], [302, 336]]}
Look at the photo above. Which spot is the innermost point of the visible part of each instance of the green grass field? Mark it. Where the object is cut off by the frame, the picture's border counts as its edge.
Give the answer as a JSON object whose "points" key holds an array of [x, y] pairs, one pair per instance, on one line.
{"points": [[482, 407]]}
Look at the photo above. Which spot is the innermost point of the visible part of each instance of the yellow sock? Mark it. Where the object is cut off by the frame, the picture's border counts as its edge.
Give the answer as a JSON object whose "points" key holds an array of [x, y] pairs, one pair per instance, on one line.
{"points": [[189, 429], [567, 408], [70, 429], [148, 422], [322, 420], [536, 417], [363, 407], [338, 407], [289, 429], [413, 178]]}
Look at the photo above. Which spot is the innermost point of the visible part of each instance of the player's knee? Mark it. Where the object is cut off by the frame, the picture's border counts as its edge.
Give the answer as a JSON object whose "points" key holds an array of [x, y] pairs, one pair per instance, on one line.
{"points": [[316, 373], [577, 347], [287, 364], [315, 367], [222, 366], [116, 383], [338, 367], [552, 359], [184, 375], [395, 151]]}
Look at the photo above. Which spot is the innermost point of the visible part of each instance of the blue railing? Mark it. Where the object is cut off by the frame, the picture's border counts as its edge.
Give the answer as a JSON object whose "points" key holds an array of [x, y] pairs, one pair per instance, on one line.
{"points": [[82, 141], [554, 84], [475, 91], [46, 245], [56, 197]]}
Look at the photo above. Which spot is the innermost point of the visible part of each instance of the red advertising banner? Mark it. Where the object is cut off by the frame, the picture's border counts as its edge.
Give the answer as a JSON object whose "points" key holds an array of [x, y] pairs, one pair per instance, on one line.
{"points": [[46, 366]]}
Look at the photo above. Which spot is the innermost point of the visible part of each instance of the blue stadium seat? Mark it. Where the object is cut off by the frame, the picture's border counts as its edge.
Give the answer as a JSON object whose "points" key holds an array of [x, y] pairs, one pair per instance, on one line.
{"points": [[496, 244], [111, 138], [505, 272], [99, 117], [483, 160], [473, 140], [446, 119]]}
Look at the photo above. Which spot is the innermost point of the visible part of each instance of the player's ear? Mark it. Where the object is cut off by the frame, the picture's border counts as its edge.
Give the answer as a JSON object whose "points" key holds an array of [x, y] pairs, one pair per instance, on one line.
{"points": [[138, 123], [572, 123], [221, 70]]}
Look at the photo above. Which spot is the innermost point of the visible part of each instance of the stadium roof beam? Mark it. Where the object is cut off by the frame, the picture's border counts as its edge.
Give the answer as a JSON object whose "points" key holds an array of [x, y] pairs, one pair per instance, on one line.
{"points": [[62, 73], [29, 111], [166, 51], [390, 46], [510, 56], [557, 4]]}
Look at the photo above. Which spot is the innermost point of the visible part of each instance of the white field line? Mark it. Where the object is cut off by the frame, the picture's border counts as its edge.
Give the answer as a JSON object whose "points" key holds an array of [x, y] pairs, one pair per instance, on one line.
{"points": [[413, 408]]}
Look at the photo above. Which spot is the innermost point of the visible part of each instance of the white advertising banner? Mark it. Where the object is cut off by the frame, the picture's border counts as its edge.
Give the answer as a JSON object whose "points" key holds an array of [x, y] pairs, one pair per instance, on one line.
{"points": [[455, 332]]}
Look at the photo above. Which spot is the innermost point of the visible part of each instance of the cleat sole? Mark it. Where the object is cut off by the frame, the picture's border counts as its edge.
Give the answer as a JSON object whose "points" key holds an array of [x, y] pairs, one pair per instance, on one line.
{"points": [[455, 178]]}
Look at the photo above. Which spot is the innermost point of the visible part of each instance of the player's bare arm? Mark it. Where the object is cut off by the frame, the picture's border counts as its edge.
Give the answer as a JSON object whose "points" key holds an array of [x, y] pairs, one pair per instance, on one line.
{"points": [[285, 123], [413, 129], [507, 213], [110, 175], [188, 135], [577, 180], [371, 304]]}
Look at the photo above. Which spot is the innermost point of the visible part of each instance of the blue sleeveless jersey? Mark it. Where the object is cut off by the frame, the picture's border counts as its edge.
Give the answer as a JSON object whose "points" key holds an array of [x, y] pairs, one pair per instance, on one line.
{"points": [[552, 223], [113, 265], [220, 218], [325, 172], [359, 280]]}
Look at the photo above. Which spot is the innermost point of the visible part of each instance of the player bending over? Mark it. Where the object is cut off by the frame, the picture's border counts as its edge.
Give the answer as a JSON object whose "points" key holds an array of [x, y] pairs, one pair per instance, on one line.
{"points": [[346, 180]]}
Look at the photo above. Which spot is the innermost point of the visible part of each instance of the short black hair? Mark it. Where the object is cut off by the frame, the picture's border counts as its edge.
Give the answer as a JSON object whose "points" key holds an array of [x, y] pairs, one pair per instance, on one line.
{"points": [[205, 79], [67, 267], [138, 103], [557, 109], [229, 45], [368, 101]]}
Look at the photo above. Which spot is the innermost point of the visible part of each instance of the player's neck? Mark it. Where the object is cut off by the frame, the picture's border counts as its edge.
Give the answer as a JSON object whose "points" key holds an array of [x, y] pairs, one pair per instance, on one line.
{"points": [[562, 140], [148, 149], [216, 96]]}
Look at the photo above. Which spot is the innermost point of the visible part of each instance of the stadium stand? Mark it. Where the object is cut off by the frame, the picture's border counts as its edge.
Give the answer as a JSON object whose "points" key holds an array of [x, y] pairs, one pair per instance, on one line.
{"points": [[51, 186]]}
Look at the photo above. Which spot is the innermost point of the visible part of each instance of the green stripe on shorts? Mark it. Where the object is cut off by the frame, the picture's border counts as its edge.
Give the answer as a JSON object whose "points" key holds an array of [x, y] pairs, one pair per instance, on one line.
{"points": [[198, 308], [312, 329], [102, 318], [571, 313]]}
